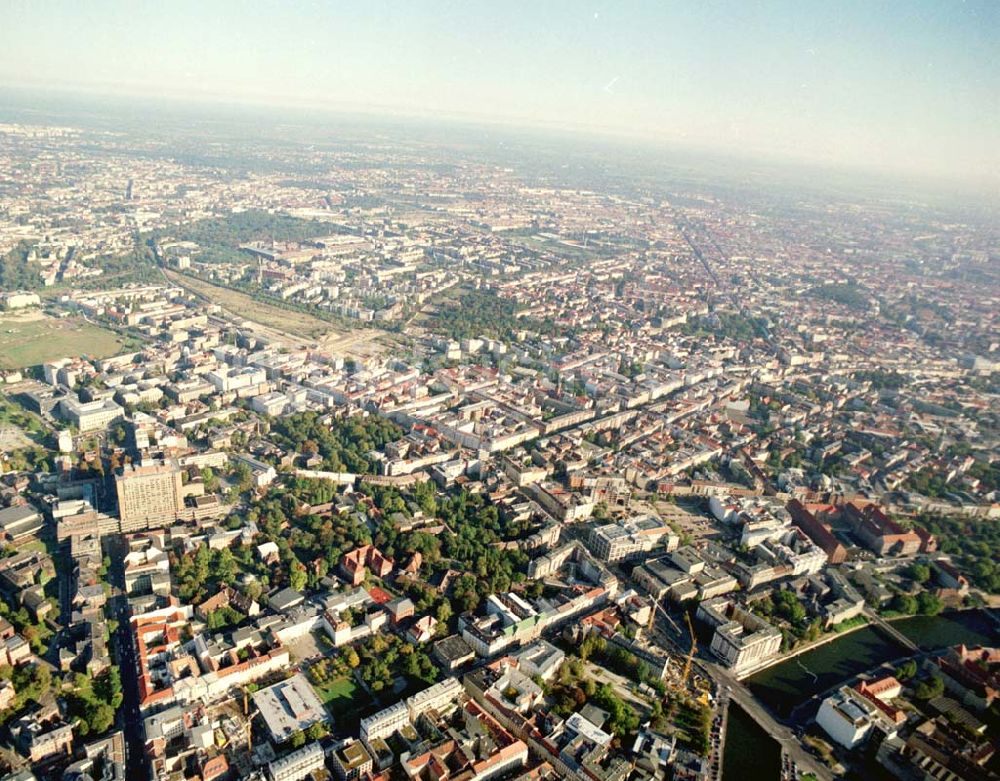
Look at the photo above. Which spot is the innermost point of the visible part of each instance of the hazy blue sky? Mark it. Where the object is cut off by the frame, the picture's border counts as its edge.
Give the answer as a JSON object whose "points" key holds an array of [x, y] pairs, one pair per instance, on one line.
{"points": [[912, 85]]}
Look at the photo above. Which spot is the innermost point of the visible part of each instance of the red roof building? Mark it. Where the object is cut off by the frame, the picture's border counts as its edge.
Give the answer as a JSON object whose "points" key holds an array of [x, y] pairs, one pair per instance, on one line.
{"points": [[354, 564], [214, 768], [817, 531]]}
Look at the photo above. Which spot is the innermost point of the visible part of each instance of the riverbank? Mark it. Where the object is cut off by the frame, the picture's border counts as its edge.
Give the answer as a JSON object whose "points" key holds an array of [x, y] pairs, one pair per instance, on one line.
{"points": [[795, 679], [827, 638]]}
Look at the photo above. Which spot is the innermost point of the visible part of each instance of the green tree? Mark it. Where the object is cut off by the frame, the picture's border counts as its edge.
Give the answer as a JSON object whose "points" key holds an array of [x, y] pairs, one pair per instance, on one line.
{"points": [[904, 603], [907, 670], [242, 477], [622, 720], [223, 617], [17, 272], [928, 690], [929, 604], [788, 606], [297, 575], [101, 718], [210, 480], [225, 567]]}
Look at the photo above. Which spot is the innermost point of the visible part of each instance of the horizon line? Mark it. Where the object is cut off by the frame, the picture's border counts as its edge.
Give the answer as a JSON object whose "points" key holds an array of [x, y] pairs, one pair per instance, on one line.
{"points": [[987, 183]]}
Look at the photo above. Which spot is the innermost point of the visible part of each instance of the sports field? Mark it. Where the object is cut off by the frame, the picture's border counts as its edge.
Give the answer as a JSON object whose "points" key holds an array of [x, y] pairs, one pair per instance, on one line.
{"points": [[31, 338]]}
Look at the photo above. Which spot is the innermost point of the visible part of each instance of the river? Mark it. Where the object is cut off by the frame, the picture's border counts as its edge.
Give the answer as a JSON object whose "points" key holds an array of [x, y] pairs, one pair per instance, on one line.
{"points": [[785, 685], [972, 627], [751, 754]]}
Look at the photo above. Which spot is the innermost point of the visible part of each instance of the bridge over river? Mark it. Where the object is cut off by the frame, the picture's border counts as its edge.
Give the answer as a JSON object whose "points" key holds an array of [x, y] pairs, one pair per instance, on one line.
{"points": [[788, 693]]}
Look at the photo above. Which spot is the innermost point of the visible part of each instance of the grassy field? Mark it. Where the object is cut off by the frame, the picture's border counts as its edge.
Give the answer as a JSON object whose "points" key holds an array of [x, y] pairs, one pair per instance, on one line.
{"points": [[338, 694], [242, 305], [345, 700], [28, 340]]}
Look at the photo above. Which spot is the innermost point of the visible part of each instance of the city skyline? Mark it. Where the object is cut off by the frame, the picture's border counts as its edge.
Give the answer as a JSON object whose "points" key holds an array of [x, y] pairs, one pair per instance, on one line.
{"points": [[455, 392], [905, 88]]}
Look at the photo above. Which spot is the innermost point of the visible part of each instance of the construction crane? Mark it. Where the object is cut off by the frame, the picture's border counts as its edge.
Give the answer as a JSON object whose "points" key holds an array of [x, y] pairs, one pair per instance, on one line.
{"points": [[686, 673], [691, 653], [247, 716], [666, 615]]}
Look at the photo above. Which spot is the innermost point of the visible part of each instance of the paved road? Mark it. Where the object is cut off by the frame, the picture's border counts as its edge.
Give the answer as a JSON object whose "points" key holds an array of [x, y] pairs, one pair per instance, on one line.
{"points": [[136, 767], [720, 722], [731, 688], [790, 744]]}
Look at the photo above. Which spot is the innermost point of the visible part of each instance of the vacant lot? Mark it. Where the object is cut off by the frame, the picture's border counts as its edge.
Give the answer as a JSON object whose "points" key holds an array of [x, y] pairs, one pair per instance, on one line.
{"points": [[688, 520], [242, 305], [361, 344], [310, 646], [12, 438], [33, 338]]}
